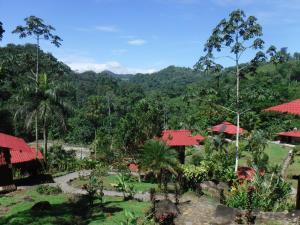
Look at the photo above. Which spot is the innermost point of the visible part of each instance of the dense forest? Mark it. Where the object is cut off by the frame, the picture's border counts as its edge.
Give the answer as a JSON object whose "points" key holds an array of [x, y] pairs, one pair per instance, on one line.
{"points": [[133, 108]]}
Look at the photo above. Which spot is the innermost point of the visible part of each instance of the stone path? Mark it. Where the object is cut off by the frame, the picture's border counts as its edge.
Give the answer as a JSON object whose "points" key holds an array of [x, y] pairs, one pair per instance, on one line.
{"points": [[63, 182]]}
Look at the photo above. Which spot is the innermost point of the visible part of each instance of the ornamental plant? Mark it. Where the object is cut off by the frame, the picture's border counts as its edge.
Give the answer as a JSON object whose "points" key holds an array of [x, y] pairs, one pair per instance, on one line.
{"points": [[195, 174], [125, 185], [269, 193]]}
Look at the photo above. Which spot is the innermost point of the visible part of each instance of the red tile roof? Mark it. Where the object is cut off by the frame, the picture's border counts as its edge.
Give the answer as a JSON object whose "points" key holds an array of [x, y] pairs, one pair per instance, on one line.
{"points": [[227, 128], [290, 134], [199, 138], [19, 149], [133, 167], [292, 107], [180, 138]]}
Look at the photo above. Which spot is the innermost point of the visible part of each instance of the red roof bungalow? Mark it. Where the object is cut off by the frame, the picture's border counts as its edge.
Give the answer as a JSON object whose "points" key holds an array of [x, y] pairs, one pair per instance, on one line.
{"points": [[226, 128], [180, 139], [290, 137], [13, 152], [292, 107], [19, 150]]}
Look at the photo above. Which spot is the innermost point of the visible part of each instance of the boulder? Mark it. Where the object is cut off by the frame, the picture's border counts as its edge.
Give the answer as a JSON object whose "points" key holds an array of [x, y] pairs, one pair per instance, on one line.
{"points": [[165, 210], [211, 188], [222, 186], [225, 215]]}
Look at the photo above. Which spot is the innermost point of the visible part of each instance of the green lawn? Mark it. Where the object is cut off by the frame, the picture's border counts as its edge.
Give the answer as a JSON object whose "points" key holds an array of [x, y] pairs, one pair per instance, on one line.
{"points": [[276, 153], [15, 209], [112, 179]]}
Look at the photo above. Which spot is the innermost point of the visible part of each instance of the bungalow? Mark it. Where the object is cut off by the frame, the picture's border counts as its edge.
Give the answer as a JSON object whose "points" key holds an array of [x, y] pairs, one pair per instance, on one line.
{"points": [[290, 137], [226, 128], [14, 152], [179, 139]]}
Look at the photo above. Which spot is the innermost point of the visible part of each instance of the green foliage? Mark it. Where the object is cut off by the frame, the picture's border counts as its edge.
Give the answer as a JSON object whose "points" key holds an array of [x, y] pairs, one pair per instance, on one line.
{"points": [[102, 147], [146, 119], [219, 157], [129, 219], [125, 185], [35, 26], [44, 101], [256, 145], [95, 186], [48, 190], [270, 193], [156, 156], [60, 160], [195, 174], [1, 31]]}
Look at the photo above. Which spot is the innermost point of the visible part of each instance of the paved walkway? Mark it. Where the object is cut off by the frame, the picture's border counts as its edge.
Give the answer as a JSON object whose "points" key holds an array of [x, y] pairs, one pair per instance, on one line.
{"points": [[63, 182]]}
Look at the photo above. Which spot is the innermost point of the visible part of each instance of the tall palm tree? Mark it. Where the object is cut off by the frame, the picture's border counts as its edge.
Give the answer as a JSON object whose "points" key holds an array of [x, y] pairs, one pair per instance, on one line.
{"points": [[46, 102], [159, 159]]}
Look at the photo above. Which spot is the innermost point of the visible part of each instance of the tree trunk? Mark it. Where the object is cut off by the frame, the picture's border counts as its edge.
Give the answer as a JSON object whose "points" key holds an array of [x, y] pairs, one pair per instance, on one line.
{"points": [[45, 136], [237, 110], [36, 90]]}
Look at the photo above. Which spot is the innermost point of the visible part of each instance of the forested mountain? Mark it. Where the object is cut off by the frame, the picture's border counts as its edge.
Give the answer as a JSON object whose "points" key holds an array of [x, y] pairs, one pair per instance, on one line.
{"points": [[132, 108], [170, 80]]}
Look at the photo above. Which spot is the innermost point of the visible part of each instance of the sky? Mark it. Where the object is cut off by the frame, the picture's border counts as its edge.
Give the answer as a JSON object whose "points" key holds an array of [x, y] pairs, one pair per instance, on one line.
{"points": [[144, 36]]}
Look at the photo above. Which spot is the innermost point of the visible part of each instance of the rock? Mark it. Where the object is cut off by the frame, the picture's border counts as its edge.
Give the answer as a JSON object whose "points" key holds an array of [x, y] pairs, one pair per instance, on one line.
{"points": [[222, 186], [225, 215], [165, 209], [41, 206], [210, 188], [208, 184]]}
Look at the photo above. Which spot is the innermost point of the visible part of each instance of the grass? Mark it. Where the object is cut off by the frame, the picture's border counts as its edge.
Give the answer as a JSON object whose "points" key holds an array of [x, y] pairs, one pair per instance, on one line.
{"points": [[277, 154], [112, 179], [15, 209]]}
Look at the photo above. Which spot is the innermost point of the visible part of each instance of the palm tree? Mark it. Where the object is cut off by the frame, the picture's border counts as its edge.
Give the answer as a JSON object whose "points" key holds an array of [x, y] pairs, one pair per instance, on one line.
{"points": [[46, 102], [159, 159]]}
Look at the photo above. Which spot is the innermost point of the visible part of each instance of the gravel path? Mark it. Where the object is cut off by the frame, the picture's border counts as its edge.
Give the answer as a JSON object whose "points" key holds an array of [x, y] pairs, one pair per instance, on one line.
{"points": [[63, 182]]}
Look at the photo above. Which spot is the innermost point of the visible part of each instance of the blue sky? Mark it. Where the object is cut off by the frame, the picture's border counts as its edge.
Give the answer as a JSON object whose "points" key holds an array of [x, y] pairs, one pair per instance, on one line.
{"points": [[129, 36]]}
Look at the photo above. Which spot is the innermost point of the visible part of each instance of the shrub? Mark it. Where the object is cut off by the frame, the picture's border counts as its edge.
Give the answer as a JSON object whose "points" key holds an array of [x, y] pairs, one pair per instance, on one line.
{"points": [[48, 190], [269, 193], [95, 186], [125, 185], [129, 218], [195, 174]]}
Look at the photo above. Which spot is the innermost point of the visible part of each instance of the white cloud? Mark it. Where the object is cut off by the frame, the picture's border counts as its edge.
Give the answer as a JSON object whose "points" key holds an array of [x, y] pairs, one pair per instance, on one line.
{"points": [[106, 28], [81, 63], [112, 66], [137, 42]]}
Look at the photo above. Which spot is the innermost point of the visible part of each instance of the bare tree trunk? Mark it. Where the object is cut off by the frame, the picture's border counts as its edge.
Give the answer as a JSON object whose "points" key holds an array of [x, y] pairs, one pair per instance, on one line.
{"points": [[237, 112], [36, 90], [45, 136]]}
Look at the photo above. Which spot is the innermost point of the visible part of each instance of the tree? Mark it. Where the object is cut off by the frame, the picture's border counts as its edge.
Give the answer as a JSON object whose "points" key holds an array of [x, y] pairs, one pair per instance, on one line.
{"points": [[238, 34], [144, 122], [159, 159], [1, 31], [35, 27], [47, 102]]}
